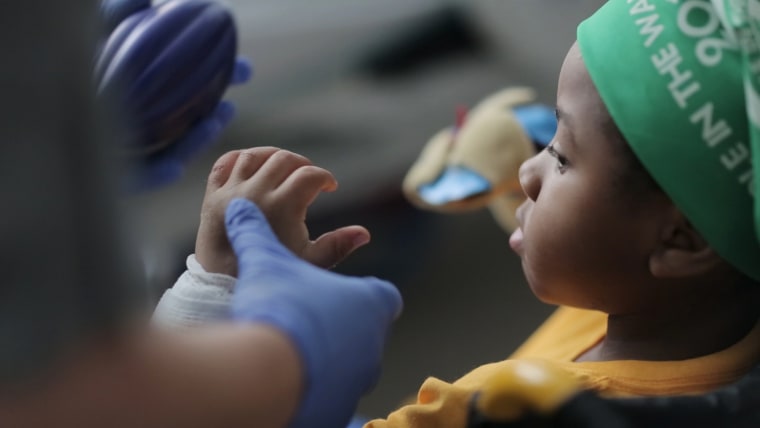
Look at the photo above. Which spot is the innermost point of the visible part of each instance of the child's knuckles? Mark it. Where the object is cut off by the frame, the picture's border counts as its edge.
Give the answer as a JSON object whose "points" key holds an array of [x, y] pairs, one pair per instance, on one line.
{"points": [[288, 157], [314, 175], [313, 171], [263, 150], [222, 167], [249, 162]]}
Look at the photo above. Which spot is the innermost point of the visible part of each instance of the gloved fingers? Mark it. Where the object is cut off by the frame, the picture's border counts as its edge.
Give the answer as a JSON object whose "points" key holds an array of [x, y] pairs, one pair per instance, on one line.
{"points": [[242, 72], [252, 239], [153, 175], [198, 139], [202, 135], [358, 421], [224, 112], [206, 132], [387, 295], [333, 247], [249, 161], [374, 379], [168, 165]]}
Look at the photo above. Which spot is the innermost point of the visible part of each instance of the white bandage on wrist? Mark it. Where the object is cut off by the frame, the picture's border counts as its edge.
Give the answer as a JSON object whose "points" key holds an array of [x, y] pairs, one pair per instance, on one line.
{"points": [[197, 297]]}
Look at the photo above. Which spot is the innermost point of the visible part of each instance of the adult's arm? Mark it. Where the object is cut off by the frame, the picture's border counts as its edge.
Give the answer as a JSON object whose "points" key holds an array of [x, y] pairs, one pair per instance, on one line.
{"points": [[217, 376]]}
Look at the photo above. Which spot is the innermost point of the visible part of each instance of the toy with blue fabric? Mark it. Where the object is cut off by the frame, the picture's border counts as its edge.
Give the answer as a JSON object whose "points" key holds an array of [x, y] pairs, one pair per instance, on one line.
{"points": [[474, 164]]}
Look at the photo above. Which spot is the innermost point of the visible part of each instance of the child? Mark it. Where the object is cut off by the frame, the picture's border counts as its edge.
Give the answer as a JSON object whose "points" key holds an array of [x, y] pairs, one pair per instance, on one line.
{"points": [[639, 218]]}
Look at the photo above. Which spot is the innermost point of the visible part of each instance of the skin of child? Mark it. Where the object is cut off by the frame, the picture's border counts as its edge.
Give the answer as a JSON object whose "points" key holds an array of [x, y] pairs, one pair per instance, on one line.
{"points": [[585, 241], [283, 184]]}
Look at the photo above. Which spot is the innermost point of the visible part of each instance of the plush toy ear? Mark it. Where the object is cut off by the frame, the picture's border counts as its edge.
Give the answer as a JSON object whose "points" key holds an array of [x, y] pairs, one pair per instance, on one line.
{"points": [[428, 167], [681, 251], [506, 99], [467, 167]]}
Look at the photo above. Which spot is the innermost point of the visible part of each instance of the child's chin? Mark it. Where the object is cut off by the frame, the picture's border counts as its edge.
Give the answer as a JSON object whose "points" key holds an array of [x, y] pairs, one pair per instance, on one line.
{"points": [[539, 291], [543, 293]]}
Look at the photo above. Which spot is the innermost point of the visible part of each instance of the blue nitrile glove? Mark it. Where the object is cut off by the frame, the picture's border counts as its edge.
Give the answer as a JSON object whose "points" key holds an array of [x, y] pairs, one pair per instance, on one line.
{"points": [[169, 165], [338, 323], [358, 422]]}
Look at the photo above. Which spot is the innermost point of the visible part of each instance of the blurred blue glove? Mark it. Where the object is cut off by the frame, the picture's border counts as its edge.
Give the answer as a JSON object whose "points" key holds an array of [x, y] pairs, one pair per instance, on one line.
{"points": [[168, 165], [338, 323], [358, 422]]}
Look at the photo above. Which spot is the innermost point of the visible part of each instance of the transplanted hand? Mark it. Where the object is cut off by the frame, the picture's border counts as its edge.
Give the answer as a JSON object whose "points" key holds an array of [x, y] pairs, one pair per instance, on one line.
{"points": [[283, 185]]}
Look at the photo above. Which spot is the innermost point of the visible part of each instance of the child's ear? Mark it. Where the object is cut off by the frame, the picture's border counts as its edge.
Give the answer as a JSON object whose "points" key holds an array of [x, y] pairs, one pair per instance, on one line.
{"points": [[681, 250]]}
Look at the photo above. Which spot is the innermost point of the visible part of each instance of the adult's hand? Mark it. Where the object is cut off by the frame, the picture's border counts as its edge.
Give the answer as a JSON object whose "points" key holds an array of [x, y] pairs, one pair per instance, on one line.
{"points": [[338, 323], [168, 165]]}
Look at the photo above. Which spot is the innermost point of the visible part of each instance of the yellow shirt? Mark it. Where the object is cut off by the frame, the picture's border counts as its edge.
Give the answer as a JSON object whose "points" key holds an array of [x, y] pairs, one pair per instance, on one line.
{"points": [[566, 335]]}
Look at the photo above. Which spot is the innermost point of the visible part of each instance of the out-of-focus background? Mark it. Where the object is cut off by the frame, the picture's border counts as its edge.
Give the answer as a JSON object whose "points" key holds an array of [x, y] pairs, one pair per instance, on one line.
{"points": [[359, 87]]}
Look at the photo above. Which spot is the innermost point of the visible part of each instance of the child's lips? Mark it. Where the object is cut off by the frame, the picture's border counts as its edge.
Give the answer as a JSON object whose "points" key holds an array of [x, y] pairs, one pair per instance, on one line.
{"points": [[516, 240]]}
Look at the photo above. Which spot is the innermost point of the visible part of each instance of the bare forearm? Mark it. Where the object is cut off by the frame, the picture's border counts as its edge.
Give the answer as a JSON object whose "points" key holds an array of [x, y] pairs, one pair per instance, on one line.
{"points": [[221, 376]]}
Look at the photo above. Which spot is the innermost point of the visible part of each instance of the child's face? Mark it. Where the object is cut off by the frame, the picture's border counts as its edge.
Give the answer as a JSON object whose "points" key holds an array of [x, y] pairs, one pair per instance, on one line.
{"points": [[583, 240]]}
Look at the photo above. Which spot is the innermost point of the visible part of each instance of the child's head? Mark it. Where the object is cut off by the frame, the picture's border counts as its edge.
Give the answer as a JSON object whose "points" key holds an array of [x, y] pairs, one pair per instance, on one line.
{"points": [[642, 196]]}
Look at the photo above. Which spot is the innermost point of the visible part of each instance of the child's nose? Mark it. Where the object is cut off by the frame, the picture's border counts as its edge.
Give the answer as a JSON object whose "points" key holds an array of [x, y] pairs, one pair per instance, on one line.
{"points": [[530, 179]]}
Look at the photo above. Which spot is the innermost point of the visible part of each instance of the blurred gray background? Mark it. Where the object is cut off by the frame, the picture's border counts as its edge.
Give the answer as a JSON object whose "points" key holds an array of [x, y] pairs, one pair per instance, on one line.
{"points": [[359, 87]]}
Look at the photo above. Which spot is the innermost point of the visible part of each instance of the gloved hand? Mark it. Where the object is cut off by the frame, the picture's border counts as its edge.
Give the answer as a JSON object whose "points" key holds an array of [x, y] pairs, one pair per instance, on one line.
{"points": [[168, 165], [338, 323]]}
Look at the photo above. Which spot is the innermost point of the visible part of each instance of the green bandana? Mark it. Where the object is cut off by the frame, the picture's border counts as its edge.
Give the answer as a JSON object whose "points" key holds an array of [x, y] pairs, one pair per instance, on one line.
{"points": [[680, 80]]}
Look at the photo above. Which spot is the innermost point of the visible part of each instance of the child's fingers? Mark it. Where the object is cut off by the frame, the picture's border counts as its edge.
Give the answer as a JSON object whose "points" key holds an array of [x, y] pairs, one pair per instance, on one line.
{"points": [[300, 189], [249, 162], [333, 247], [278, 167], [221, 170]]}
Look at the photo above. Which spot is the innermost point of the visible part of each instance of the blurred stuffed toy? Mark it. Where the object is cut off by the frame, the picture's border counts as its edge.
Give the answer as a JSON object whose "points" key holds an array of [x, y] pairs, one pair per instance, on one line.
{"points": [[475, 164]]}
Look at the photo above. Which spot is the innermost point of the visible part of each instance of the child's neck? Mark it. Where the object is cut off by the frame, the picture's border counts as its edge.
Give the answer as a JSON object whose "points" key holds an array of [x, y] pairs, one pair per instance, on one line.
{"points": [[698, 324]]}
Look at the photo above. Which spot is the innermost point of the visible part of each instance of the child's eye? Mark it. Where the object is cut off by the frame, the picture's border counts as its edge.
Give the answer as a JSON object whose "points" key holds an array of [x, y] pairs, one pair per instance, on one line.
{"points": [[561, 159]]}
